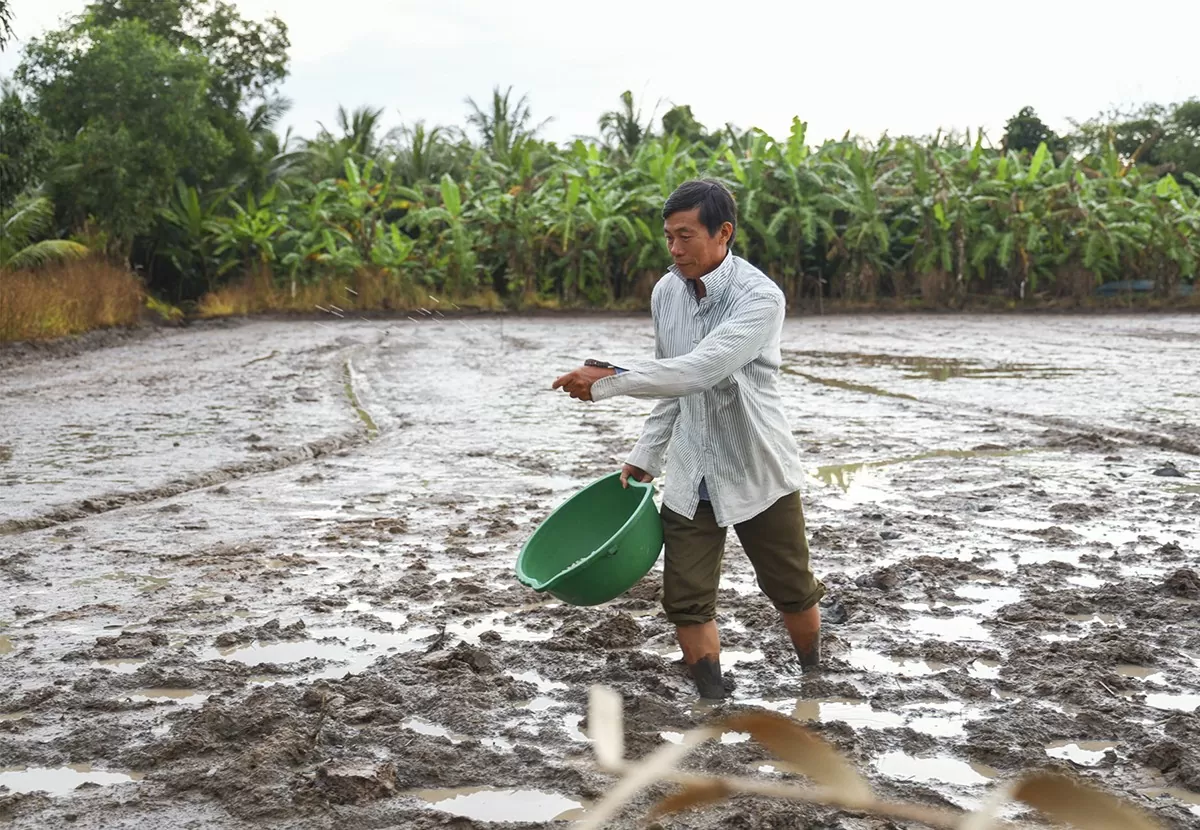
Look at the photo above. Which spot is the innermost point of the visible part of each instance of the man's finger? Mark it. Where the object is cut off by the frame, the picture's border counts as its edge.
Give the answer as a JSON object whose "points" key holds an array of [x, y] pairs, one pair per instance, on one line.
{"points": [[562, 380], [625, 479]]}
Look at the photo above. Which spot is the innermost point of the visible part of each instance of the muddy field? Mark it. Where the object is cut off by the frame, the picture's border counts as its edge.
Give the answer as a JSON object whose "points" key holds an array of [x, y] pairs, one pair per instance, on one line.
{"points": [[260, 574]]}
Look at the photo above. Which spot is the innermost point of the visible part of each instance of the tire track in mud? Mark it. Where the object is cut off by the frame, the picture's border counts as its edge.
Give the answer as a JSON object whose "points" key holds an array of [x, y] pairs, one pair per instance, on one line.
{"points": [[1137, 437], [308, 451]]}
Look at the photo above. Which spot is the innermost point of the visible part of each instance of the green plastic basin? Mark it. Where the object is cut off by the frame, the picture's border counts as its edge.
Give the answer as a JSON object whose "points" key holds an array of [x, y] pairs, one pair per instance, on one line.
{"points": [[596, 545]]}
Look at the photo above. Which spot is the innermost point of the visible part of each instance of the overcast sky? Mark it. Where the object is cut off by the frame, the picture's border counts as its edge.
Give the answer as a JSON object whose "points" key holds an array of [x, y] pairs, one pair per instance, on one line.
{"points": [[906, 67]]}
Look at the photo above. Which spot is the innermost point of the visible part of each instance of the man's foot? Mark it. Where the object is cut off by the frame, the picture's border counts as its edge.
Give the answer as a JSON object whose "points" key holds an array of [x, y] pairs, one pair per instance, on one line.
{"points": [[701, 647], [804, 629], [810, 658], [706, 673]]}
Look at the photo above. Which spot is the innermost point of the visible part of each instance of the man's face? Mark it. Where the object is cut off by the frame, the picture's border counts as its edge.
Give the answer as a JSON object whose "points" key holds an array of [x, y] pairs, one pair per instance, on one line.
{"points": [[695, 251]]}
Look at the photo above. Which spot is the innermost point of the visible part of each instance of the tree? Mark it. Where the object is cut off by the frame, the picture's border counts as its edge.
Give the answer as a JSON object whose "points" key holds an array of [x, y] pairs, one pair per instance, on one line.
{"points": [[6, 32], [506, 125], [1025, 131], [144, 92], [1165, 139], [624, 128], [25, 147], [247, 58], [135, 109], [678, 120]]}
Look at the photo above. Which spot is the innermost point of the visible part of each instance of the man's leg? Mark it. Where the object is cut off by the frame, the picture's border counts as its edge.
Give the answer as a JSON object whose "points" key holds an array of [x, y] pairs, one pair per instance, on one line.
{"points": [[776, 544], [691, 575]]}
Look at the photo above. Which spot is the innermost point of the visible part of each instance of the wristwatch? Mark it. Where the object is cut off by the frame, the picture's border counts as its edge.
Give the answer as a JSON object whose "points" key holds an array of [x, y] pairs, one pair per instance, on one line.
{"points": [[599, 364]]}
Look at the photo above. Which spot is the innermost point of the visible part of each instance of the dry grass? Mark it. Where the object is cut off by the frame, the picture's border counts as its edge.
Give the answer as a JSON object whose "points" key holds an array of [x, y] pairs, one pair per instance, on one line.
{"points": [[69, 298], [366, 290]]}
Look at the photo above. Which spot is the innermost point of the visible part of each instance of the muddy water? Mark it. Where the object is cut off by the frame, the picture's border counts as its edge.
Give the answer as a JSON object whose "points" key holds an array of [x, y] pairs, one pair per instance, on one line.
{"points": [[263, 572]]}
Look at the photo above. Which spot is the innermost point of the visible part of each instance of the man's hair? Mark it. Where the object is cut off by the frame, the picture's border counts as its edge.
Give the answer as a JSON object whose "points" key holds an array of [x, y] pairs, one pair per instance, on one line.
{"points": [[714, 200]]}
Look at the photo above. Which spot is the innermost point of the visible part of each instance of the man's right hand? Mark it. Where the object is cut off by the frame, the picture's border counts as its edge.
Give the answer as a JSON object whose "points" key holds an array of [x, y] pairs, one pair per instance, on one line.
{"points": [[636, 473]]}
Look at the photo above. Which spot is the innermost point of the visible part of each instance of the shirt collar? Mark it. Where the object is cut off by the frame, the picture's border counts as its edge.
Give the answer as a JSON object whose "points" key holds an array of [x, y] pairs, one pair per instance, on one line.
{"points": [[716, 280]]}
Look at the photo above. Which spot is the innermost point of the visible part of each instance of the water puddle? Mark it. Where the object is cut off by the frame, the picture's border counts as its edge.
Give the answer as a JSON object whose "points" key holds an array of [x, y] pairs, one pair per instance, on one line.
{"points": [[907, 767], [13, 715], [60, 780], [144, 582], [726, 738], [571, 724], [846, 385], [729, 657], [1141, 673], [351, 649], [842, 475], [543, 685], [1084, 753], [912, 367], [1096, 619], [1182, 703], [470, 631], [949, 629], [856, 713], [952, 724], [495, 804], [6, 644], [1086, 581], [397, 619], [865, 659], [161, 693], [424, 727], [989, 597], [985, 669]]}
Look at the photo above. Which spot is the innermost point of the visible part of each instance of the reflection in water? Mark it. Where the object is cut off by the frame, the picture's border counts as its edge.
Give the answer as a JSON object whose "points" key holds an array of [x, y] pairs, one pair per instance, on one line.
{"points": [[59, 780], [842, 475], [914, 367], [495, 804], [866, 659], [1085, 753], [938, 768]]}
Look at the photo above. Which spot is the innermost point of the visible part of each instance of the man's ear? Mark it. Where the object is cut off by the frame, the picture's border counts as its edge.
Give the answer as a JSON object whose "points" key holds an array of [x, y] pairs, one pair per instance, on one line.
{"points": [[726, 232]]}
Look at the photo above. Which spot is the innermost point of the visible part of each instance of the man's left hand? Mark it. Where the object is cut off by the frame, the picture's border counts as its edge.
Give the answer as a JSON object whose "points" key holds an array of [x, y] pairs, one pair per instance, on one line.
{"points": [[578, 384]]}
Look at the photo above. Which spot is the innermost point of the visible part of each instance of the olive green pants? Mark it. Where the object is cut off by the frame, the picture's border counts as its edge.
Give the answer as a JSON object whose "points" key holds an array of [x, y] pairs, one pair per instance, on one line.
{"points": [[774, 541]]}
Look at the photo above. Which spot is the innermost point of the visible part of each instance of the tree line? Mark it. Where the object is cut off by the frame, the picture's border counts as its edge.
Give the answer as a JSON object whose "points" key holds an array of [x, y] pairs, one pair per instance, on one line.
{"points": [[146, 131]]}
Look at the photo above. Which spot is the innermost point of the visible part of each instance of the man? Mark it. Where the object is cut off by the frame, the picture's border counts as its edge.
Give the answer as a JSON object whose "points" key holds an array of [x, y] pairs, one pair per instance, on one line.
{"points": [[733, 461]]}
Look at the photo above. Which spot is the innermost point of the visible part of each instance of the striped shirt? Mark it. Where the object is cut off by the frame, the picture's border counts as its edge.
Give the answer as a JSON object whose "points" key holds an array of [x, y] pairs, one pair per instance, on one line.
{"points": [[716, 375]]}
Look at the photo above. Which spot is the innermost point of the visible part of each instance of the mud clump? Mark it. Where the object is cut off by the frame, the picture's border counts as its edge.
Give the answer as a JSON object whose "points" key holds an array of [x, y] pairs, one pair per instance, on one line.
{"points": [[350, 783], [1075, 510], [618, 631], [1183, 583], [268, 632], [126, 645], [884, 579]]}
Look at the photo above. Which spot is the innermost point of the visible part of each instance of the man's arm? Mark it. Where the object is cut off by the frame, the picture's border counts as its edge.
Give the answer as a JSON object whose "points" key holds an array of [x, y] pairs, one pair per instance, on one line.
{"points": [[729, 347]]}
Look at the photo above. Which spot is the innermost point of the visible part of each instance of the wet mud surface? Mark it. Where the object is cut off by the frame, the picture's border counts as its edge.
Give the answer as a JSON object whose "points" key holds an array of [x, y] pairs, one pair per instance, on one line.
{"points": [[260, 575]]}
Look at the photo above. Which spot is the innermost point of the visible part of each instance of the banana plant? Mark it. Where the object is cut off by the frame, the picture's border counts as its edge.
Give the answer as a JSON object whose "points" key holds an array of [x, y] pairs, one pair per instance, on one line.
{"points": [[30, 217]]}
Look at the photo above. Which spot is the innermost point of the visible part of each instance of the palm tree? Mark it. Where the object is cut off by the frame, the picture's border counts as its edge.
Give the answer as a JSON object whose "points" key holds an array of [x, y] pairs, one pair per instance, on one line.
{"points": [[359, 141], [6, 31], [506, 125], [31, 216], [624, 127]]}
